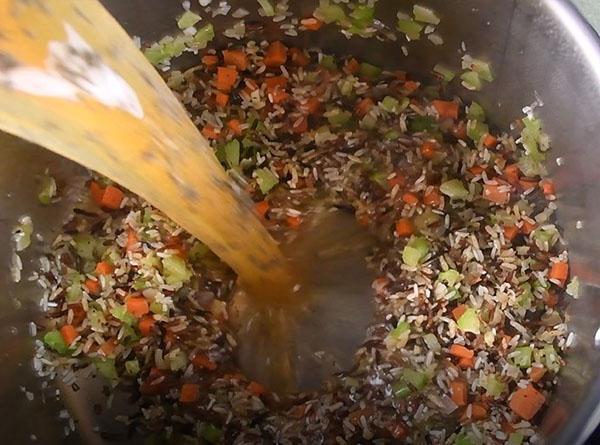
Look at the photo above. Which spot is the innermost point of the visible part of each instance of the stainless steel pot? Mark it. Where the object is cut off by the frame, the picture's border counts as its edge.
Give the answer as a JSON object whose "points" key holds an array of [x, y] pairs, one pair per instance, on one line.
{"points": [[541, 46]]}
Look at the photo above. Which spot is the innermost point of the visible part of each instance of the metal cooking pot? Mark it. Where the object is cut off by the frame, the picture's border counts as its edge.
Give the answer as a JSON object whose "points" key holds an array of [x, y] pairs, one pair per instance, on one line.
{"points": [[535, 46]]}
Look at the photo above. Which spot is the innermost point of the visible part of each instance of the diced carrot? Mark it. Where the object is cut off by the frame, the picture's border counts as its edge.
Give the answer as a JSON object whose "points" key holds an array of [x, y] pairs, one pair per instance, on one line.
{"points": [[96, 192], [189, 393], [132, 243], [511, 173], [404, 227], [432, 197], [478, 411], [351, 66], [78, 313], [537, 373], [459, 130], [411, 86], [510, 232], [527, 227], [226, 78], [104, 268], [210, 60], [461, 351], [364, 106], [311, 106], [380, 283], [300, 125], [466, 363], [235, 57], [69, 334], [311, 24], [250, 86], [146, 325], [137, 306], [275, 82], [526, 402], [477, 169], [299, 57], [261, 208], [507, 428], [490, 141], [221, 99], [93, 286], [547, 186], [446, 109], [550, 299], [528, 184], [428, 149], [397, 180], [108, 347], [256, 389], [398, 431], [458, 311], [293, 222], [459, 392], [275, 55], [559, 271], [410, 198], [277, 96], [112, 197], [496, 193], [235, 126], [201, 361], [210, 132]]}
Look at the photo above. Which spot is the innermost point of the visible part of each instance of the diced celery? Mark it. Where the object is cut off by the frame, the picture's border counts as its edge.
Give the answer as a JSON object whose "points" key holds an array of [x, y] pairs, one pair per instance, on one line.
{"points": [[480, 67], [447, 74], [379, 177], [494, 386], [423, 220], [526, 296], [454, 189], [74, 292], [151, 261], [267, 7], [158, 308], [573, 288], [409, 27], [211, 433], [21, 234], [47, 190], [469, 321], [521, 357], [400, 389], [391, 135], [95, 317], [515, 438], [132, 367], [401, 329], [86, 246], [432, 342], [177, 360], [338, 117], [130, 336], [362, 16], [155, 54], [476, 112], [232, 153], [451, 277], [471, 81], [545, 236], [140, 284], [369, 71], [420, 124], [197, 251], [552, 359], [175, 270], [188, 19], [329, 13], [368, 122], [121, 314], [463, 439], [393, 105], [328, 62], [54, 340], [106, 368], [425, 15], [415, 378], [346, 86], [266, 179], [476, 130], [415, 251], [202, 37]]}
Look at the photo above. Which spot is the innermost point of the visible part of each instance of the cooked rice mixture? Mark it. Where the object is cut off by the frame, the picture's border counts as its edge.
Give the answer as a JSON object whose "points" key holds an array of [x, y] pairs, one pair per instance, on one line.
{"points": [[470, 328]]}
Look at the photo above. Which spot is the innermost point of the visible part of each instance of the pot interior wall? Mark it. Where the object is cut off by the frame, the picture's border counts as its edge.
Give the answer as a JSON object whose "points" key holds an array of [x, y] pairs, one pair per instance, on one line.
{"points": [[535, 47]]}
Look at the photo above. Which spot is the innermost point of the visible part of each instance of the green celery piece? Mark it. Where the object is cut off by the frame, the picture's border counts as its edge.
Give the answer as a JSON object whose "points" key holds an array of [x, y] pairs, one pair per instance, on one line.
{"points": [[476, 130], [211, 433], [447, 74], [420, 124], [522, 357], [177, 360], [267, 7], [74, 293], [328, 62], [369, 122], [329, 13], [338, 117], [417, 379], [494, 386], [106, 368], [86, 246], [47, 190], [121, 314], [432, 342], [425, 15], [450, 277], [463, 439], [454, 189], [232, 153], [369, 71], [469, 321], [526, 296], [54, 340], [188, 19], [400, 389], [175, 270], [393, 105], [515, 438], [483, 69], [409, 27], [266, 180], [402, 328], [157, 308], [476, 112], [132, 367], [202, 37], [471, 81], [415, 251], [362, 16], [574, 287], [552, 358], [391, 135], [197, 251]]}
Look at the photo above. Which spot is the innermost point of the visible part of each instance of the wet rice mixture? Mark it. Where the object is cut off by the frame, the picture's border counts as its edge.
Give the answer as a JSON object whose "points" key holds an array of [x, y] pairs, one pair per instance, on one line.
{"points": [[467, 340]]}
